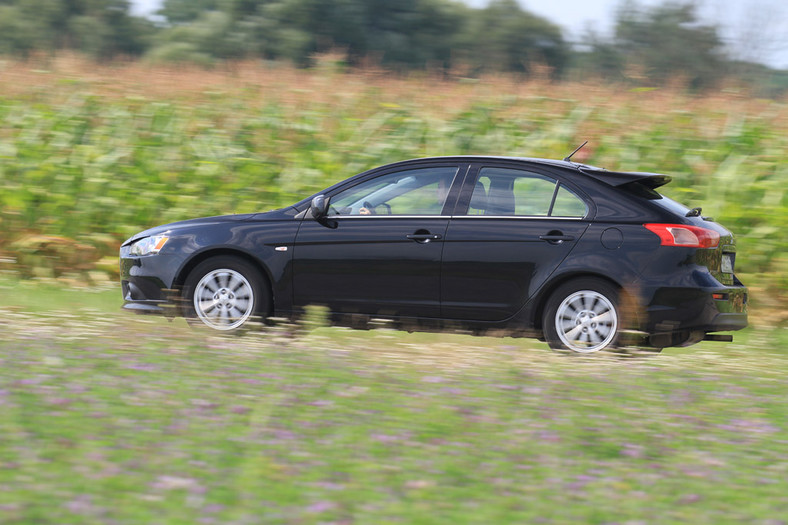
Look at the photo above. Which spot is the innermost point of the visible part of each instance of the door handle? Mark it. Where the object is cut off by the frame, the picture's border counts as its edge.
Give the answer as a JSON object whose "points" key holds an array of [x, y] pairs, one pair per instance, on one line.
{"points": [[423, 236], [556, 238]]}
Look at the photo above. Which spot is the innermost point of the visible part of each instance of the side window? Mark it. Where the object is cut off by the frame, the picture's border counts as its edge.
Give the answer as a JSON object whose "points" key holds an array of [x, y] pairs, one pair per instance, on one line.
{"points": [[504, 191], [567, 204], [421, 191], [532, 195]]}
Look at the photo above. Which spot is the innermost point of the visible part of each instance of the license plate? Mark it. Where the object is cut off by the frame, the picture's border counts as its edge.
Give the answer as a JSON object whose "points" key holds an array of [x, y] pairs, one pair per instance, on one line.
{"points": [[727, 263]]}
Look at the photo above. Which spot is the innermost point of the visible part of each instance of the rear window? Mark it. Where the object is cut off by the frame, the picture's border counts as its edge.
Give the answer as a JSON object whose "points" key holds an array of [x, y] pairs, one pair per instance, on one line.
{"points": [[671, 205], [643, 191]]}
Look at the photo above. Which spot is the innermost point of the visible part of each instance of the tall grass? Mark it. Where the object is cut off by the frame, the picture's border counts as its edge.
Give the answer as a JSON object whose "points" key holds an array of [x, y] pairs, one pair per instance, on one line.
{"points": [[90, 154]]}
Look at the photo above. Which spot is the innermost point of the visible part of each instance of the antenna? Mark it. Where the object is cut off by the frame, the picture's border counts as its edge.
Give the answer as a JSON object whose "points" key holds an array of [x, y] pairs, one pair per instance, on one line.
{"points": [[569, 157]]}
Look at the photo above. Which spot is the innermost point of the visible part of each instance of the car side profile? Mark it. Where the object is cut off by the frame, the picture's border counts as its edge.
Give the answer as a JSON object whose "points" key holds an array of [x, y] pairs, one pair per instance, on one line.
{"points": [[583, 258]]}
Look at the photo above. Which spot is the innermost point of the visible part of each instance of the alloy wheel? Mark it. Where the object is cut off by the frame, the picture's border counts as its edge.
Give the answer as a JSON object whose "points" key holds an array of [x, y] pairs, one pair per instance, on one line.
{"points": [[586, 321], [223, 299]]}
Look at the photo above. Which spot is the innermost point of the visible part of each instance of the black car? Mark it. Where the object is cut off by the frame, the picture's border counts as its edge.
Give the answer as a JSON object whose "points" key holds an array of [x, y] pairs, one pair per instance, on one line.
{"points": [[581, 257]]}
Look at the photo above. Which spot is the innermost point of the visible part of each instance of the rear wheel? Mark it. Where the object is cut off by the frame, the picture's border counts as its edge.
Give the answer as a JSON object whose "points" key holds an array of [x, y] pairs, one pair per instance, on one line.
{"points": [[224, 293], [583, 316]]}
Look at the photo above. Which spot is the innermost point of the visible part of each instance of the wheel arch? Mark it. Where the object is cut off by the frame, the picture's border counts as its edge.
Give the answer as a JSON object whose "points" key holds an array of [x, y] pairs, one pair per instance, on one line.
{"points": [[548, 289], [198, 258]]}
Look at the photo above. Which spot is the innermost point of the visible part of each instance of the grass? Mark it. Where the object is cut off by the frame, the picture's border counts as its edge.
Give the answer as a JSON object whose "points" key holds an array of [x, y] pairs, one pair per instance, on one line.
{"points": [[41, 296], [110, 418]]}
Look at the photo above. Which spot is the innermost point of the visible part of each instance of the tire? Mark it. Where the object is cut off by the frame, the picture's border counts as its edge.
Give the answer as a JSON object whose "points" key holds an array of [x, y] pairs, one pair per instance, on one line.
{"points": [[583, 316], [224, 293]]}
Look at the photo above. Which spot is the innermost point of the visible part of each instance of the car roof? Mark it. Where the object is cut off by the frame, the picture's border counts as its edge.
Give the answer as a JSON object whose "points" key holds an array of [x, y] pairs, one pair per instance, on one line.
{"points": [[472, 158], [611, 178]]}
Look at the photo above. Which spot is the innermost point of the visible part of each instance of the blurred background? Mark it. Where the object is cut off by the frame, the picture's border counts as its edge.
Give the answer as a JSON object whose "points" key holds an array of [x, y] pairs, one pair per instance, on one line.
{"points": [[116, 115]]}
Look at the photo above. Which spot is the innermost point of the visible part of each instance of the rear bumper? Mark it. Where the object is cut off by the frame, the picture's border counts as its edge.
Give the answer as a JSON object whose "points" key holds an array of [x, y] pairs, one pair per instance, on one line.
{"points": [[726, 323], [706, 309]]}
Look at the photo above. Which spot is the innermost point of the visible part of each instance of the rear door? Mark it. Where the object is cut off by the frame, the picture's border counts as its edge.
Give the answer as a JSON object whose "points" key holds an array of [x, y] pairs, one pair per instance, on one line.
{"points": [[512, 228]]}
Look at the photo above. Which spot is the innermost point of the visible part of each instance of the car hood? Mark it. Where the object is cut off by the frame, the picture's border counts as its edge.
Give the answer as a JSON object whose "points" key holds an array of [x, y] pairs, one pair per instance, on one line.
{"points": [[205, 221]]}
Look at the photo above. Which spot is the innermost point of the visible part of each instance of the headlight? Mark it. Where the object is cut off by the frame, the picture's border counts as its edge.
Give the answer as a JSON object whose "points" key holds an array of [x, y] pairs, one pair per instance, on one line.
{"points": [[148, 245]]}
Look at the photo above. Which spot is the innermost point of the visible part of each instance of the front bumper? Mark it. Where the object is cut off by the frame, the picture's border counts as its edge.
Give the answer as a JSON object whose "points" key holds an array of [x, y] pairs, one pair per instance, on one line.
{"points": [[136, 298], [146, 307], [147, 283]]}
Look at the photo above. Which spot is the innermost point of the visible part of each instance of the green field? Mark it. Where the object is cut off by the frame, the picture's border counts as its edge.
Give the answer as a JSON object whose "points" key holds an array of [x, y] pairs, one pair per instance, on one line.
{"points": [[113, 418]]}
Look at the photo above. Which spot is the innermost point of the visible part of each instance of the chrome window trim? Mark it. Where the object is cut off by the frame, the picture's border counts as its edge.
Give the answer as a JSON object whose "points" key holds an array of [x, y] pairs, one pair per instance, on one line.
{"points": [[518, 217], [527, 217], [335, 217]]}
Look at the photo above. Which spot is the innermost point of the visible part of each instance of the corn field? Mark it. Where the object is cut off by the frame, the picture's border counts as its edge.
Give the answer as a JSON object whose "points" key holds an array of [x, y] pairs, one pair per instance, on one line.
{"points": [[90, 154]]}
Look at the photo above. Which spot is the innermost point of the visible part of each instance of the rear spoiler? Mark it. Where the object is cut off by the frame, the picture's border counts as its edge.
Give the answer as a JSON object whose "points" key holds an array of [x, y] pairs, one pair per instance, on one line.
{"points": [[620, 178]]}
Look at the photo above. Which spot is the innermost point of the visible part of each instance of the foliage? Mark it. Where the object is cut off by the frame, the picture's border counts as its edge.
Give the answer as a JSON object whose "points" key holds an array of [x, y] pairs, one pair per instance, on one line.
{"points": [[658, 45], [668, 40], [110, 419], [405, 34], [101, 28], [95, 161], [518, 41]]}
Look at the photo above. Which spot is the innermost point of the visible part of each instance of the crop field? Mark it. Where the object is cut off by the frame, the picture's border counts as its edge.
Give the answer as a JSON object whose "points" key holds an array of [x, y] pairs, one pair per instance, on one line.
{"points": [[107, 417], [92, 154]]}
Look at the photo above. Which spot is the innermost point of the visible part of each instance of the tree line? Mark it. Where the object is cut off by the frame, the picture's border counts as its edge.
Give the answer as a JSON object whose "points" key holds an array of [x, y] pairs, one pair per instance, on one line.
{"points": [[649, 44]]}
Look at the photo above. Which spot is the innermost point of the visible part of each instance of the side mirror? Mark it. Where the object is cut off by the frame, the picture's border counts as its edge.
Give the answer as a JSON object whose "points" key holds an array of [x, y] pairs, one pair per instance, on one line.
{"points": [[319, 207]]}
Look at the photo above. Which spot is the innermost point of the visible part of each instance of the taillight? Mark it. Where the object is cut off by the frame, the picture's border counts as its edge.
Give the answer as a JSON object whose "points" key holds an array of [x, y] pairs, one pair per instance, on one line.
{"points": [[683, 235]]}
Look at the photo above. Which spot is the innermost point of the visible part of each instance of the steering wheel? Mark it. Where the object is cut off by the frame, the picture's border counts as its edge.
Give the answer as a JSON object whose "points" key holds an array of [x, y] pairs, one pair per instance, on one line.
{"points": [[368, 205]]}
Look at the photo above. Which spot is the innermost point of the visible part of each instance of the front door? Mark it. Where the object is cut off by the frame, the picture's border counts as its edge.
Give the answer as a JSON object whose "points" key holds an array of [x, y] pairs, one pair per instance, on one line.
{"points": [[379, 251]]}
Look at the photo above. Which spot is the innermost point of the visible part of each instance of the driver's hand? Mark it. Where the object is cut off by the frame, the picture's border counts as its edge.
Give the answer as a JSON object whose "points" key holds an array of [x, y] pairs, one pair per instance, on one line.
{"points": [[364, 211]]}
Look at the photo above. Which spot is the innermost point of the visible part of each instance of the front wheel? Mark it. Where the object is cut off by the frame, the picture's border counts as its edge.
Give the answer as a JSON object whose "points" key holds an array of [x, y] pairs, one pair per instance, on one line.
{"points": [[583, 316], [224, 293]]}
